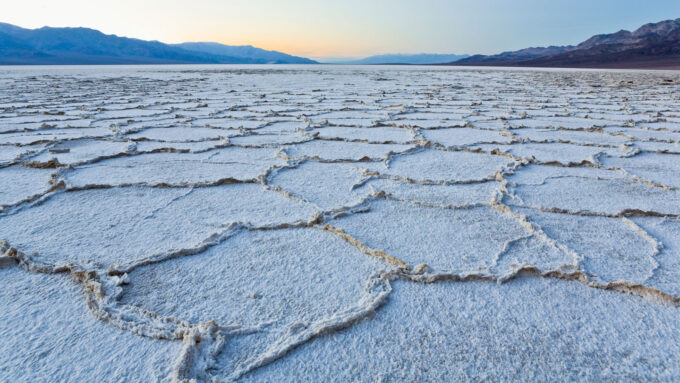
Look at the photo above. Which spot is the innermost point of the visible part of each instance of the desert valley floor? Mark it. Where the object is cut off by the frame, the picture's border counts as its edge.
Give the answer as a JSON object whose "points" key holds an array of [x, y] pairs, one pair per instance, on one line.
{"points": [[327, 223]]}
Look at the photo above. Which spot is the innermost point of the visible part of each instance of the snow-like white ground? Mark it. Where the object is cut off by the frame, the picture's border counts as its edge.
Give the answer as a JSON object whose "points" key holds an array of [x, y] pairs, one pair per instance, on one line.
{"points": [[320, 223]]}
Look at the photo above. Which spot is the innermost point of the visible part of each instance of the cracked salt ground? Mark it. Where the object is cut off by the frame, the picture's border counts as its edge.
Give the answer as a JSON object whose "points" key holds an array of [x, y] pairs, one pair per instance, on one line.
{"points": [[47, 135], [461, 240], [437, 166], [465, 136], [666, 276], [181, 134], [273, 140], [81, 151], [117, 226], [526, 330], [329, 186], [557, 153], [662, 169], [343, 151], [178, 169], [21, 183], [572, 136], [176, 147], [659, 147], [45, 318], [310, 223], [12, 154], [610, 249], [625, 196], [275, 282], [443, 196], [373, 135]]}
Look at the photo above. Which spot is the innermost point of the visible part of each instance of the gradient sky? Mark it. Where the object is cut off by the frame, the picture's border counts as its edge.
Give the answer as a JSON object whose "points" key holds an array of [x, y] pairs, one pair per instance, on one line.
{"points": [[350, 28]]}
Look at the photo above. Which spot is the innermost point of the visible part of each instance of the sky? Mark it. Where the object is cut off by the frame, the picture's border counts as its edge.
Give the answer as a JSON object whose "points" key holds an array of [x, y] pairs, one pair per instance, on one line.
{"points": [[350, 28]]}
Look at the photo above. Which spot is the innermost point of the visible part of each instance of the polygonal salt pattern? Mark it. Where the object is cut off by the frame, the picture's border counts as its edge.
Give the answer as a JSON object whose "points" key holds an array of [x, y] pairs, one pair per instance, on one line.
{"points": [[338, 223]]}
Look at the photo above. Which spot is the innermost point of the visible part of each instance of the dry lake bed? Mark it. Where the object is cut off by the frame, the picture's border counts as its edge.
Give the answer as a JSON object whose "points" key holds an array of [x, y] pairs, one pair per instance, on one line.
{"points": [[338, 223]]}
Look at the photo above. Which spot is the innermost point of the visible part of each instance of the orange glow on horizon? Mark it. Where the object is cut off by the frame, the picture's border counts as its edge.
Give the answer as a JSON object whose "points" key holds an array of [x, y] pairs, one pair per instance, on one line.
{"points": [[319, 28]]}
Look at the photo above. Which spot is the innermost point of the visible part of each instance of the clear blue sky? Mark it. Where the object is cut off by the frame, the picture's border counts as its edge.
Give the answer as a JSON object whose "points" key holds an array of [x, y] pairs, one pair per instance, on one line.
{"points": [[318, 28]]}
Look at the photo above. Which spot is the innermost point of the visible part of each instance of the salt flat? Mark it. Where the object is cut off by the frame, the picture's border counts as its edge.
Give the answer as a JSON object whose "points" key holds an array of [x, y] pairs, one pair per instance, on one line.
{"points": [[338, 223]]}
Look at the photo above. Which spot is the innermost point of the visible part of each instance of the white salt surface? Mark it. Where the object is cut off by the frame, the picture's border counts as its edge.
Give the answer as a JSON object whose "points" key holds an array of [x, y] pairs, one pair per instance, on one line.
{"points": [[324, 223], [528, 330], [50, 335]]}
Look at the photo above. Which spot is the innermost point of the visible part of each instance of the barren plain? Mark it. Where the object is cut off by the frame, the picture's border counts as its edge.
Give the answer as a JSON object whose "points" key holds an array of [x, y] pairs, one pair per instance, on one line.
{"points": [[329, 223]]}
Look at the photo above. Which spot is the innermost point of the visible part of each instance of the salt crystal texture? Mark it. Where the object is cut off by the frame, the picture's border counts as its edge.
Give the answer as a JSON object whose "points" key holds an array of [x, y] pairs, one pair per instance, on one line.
{"points": [[338, 223]]}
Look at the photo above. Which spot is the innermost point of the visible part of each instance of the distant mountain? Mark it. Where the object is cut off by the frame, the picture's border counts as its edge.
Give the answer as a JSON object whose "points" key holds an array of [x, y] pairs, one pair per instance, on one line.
{"points": [[244, 51], [415, 59], [513, 56], [654, 45], [48, 46]]}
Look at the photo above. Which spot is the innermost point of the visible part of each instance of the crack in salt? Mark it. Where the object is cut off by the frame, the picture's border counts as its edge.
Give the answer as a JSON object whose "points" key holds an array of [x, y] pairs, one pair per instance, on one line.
{"points": [[243, 112]]}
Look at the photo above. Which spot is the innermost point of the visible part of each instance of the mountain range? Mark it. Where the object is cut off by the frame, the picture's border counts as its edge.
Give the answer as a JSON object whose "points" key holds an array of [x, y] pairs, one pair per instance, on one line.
{"points": [[654, 45], [49, 46], [413, 59]]}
